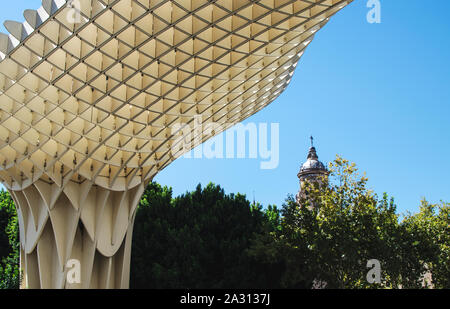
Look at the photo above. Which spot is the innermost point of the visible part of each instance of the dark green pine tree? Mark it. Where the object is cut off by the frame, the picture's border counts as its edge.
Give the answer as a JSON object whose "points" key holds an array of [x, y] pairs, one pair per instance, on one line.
{"points": [[198, 240]]}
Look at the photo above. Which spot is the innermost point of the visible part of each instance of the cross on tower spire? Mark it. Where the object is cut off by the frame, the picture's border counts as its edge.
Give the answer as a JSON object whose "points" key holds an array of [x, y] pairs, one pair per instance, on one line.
{"points": [[312, 141]]}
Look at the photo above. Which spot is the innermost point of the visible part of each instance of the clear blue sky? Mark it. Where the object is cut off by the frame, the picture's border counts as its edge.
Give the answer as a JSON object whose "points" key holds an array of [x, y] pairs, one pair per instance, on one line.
{"points": [[377, 94]]}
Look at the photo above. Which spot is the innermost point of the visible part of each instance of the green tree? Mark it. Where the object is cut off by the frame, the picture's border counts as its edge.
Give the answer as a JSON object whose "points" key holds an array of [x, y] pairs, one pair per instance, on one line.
{"points": [[335, 229], [429, 231], [10, 274], [198, 240]]}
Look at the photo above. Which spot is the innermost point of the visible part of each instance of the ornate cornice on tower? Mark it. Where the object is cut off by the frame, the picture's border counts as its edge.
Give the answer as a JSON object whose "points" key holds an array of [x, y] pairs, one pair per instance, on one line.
{"points": [[312, 165]]}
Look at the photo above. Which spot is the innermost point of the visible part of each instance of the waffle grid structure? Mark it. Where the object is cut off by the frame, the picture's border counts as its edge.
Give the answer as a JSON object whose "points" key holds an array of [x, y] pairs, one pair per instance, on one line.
{"points": [[90, 94]]}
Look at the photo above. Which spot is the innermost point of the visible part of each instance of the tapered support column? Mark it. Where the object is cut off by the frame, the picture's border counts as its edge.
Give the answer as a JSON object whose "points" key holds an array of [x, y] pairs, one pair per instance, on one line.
{"points": [[80, 224]]}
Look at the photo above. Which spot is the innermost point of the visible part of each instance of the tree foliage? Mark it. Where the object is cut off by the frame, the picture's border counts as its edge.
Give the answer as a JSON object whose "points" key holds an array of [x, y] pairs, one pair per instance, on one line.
{"points": [[10, 274], [327, 238], [197, 240], [429, 234]]}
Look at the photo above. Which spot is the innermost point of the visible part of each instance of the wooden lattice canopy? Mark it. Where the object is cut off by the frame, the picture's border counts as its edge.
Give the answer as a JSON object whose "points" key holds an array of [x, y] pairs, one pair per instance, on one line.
{"points": [[95, 96]]}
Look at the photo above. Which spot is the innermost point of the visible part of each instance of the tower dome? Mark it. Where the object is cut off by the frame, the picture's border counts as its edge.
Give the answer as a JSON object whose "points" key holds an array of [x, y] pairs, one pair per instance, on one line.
{"points": [[312, 166], [312, 163]]}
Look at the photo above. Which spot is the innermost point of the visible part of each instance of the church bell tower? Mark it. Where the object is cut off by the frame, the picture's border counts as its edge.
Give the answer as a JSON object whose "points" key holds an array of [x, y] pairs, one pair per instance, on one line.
{"points": [[312, 170]]}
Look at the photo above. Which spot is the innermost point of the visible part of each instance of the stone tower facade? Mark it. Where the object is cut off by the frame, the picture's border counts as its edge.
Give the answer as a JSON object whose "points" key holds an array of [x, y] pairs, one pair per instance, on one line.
{"points": [[312, 170]]}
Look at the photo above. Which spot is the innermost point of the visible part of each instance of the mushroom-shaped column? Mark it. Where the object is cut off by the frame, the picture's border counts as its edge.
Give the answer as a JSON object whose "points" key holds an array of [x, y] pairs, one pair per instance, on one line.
{"points": [[80, 227]]}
